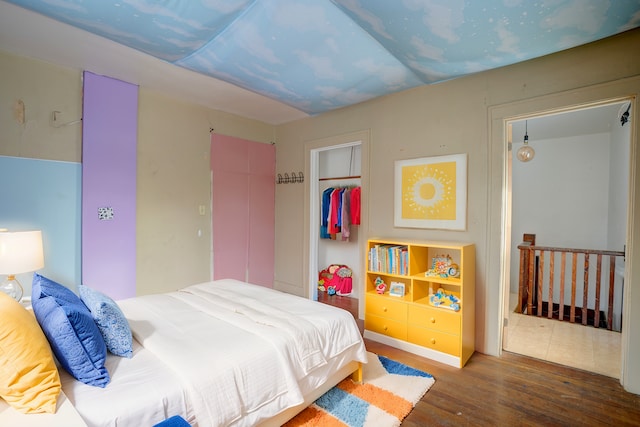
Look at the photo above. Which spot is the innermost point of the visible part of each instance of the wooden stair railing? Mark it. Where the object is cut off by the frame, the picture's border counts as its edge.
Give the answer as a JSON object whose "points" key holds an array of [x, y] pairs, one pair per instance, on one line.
{"points": [[531, 281]]}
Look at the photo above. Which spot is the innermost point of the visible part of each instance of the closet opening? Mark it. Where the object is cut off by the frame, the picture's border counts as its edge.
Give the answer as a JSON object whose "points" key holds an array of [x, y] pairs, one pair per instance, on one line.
{"points": [[335, 256], [338, 255]]}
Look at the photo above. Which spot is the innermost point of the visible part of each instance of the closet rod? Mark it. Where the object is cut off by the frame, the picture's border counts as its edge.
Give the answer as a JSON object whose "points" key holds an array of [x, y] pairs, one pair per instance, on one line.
{"points": [[339, 177]]}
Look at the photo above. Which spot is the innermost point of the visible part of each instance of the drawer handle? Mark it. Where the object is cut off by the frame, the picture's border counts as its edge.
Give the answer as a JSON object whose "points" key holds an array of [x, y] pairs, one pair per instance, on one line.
{"points": [[433, 340], [433, 320], [385, 327], [384, 309]]}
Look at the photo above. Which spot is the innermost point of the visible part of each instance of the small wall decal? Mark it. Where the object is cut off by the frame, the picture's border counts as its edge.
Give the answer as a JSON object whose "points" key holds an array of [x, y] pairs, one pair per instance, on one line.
{"points": [[105, 214]]}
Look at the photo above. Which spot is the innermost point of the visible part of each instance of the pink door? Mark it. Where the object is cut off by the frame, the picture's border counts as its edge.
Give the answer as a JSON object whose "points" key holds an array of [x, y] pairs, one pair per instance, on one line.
{"points": [[243, 209]]}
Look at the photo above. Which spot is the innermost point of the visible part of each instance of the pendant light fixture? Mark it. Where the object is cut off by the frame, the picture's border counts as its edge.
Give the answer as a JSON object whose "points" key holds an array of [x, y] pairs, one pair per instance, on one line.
{"points": [[526, 152]]}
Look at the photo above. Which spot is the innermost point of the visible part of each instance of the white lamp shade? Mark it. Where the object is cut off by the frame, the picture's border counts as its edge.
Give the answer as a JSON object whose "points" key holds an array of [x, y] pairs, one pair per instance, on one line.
{"points": [[20, 252]]}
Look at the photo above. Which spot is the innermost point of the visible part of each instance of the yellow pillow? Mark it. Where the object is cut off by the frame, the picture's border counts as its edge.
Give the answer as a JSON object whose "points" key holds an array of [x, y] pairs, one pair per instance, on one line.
{"points": [[29, 379]]}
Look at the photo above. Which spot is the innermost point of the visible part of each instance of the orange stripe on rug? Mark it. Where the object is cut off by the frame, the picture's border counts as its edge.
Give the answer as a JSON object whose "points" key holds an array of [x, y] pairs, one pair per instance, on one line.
{"points": [[368, 404], [383, 399], [314, 417]]}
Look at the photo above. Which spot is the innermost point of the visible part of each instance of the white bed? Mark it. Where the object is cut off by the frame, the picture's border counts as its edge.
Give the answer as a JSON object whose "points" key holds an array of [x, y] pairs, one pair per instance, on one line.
{"points": [[221, 353]]}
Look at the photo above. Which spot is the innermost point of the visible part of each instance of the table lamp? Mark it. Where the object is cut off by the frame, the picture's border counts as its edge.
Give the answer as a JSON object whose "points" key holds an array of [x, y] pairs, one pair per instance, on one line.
{"points": [[20, 252]]}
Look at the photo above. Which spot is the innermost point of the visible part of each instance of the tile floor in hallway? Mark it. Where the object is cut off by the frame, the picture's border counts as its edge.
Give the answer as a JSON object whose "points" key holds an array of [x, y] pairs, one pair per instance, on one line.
{"points": [[583, 347]]}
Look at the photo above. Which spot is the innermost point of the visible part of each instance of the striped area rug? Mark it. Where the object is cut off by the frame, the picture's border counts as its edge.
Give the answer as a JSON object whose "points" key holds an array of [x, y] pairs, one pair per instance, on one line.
{"points": [[388, 393]]}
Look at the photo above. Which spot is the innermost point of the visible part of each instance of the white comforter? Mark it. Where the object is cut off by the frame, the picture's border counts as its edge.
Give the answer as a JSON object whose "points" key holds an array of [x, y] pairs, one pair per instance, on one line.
{"points": [[239, 349]]}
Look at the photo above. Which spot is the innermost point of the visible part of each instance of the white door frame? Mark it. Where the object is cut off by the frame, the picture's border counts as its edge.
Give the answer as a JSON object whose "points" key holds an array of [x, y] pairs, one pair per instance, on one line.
{"points": [[497, 226], [508, 208], [312, 201]]}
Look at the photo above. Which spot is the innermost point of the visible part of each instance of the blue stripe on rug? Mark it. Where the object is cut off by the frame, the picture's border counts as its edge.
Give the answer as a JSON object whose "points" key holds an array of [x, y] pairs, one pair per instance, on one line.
{"points": [[346, 407], [394, 367]]}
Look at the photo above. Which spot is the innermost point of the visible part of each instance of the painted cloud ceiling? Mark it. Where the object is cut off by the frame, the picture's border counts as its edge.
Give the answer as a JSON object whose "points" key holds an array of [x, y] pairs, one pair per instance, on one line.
{"points": [[318, 55]]}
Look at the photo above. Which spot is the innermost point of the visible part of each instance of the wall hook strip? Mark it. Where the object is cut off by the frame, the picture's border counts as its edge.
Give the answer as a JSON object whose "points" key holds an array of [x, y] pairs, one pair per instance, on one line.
{"points": [[294, 178]]}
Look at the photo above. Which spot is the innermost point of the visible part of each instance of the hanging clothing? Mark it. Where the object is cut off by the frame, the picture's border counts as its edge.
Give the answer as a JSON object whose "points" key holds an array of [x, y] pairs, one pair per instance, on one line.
{"points": [[326, 202], [336, 200], [337, 212], [344, 222], [355, 205]]}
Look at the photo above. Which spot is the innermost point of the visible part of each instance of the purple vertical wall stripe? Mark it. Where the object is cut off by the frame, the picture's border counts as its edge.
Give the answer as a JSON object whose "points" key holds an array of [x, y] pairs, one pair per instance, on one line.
{"points": [[109, 137]]}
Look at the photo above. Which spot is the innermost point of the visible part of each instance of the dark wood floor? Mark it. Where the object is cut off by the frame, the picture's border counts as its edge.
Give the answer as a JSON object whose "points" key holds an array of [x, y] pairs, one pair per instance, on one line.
{"points": [[513, 390]]}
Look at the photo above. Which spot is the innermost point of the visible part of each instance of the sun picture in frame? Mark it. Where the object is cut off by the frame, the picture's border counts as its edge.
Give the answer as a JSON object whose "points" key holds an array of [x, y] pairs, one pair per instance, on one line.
{"points": [[431, 192]]}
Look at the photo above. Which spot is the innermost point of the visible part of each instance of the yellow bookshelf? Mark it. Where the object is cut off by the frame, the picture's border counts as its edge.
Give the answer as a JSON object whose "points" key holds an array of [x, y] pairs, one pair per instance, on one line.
{"points": [[433, 311]]}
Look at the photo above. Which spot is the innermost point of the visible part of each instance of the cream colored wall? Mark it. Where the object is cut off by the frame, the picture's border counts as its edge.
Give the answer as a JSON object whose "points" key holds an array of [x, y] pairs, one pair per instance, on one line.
{"points": [[173, 239], [454, 117], [173, 178], [42, 88]]}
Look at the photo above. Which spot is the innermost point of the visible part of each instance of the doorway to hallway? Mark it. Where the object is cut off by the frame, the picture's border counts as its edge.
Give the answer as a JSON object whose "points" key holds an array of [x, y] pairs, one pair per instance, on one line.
{"points": [[573, 193]]}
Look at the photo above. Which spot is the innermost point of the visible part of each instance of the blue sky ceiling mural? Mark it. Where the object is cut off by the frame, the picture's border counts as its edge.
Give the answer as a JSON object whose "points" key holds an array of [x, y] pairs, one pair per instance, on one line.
{"points": [[318, 55]]}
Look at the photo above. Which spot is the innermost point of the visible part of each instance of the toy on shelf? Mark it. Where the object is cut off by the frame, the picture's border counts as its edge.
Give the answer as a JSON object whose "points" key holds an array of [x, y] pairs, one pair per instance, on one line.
{"points": [[380, 285], [396, 289], [443, 266], [444, 300]]}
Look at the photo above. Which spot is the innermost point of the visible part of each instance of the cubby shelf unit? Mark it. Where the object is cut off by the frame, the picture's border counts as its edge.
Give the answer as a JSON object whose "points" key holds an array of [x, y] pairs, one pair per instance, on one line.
{"points": [[412, 322]]}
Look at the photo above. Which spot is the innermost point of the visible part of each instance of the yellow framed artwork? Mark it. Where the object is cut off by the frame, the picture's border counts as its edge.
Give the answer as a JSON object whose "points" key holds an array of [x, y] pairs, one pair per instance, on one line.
{"points": [[431, 192]]}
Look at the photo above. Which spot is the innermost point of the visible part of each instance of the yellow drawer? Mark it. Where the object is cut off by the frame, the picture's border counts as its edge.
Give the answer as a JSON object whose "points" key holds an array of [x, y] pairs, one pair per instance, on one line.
{"points": [[385, 307], [435, 340], [435, 318], [388, 327]]}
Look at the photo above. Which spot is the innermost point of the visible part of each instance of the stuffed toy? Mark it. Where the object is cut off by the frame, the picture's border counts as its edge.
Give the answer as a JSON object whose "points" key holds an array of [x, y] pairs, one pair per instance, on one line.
{"points": [[338, 277]]}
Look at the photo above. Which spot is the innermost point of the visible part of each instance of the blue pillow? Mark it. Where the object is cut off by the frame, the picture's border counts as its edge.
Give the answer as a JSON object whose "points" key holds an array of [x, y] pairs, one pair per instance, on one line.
{"points": [[71, 331], [110, 320]]}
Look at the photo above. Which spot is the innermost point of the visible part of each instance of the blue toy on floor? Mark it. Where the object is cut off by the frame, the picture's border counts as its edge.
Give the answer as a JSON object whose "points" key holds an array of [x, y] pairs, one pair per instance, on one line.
{"points": [[175, 421]]}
